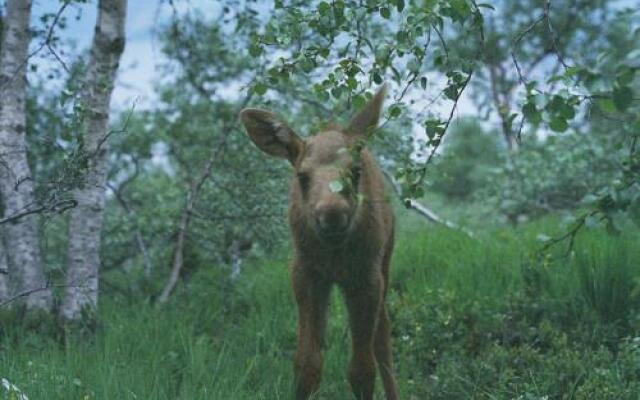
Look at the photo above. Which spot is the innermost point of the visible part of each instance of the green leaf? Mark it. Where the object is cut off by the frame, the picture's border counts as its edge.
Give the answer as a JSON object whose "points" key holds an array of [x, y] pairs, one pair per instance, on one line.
{"points": [[423, 82], [558, 124], [260, 88], [461, 10], [625, 76], [324, 52], [433, 127], [429, 5], [306, 64], [255, 50], [485, 5], [572, 71], [567, 111], [531, 113], [65, 96], [384, 11], [336, 186], [622, 97], [352, 83], [451, 91], [359, 101], [394, 111], [324, 8], [606, 105]]}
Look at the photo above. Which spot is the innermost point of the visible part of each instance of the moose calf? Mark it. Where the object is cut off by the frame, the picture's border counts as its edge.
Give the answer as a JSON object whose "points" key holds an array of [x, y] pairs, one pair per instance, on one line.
{"points": [[343, 231]]}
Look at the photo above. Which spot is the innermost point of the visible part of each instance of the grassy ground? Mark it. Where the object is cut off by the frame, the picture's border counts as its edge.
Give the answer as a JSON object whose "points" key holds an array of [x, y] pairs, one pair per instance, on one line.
{"points": [[473, 319]]}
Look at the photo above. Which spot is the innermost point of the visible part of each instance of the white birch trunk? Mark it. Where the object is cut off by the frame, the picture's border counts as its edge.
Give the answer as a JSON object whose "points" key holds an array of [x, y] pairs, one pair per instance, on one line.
{"points": [[86, 219], [16, 184]]}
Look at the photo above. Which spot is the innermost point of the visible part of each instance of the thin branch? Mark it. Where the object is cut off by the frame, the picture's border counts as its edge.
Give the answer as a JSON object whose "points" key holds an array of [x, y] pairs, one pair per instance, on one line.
{"points": [[45, 43], [28, 292], [554, 41], [516, 43], [57, 208], [423, 169], [569, 235], [142, 246], [444, 44], [122, 129], [422, 209]]}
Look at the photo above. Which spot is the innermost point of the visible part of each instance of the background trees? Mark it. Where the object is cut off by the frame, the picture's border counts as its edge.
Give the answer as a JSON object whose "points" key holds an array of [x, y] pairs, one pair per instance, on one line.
{"points": [[320, 62], [90, 116]]}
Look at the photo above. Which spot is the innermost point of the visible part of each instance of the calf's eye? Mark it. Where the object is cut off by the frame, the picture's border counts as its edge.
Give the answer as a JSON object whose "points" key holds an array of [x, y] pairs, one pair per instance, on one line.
{"points": [[303, 179], [355, 174]]}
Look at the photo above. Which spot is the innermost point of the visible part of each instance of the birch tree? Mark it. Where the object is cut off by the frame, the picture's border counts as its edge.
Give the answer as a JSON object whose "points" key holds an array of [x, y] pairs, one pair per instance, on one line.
{"points": [[16, 183], [86, 219]]}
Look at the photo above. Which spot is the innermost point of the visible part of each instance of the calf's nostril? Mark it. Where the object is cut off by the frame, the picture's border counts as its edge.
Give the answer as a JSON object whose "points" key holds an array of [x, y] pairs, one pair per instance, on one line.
{"points": [[332, 221]]}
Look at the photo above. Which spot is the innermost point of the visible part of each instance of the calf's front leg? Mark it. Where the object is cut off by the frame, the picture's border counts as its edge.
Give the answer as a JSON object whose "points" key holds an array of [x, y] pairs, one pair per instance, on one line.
{"points": [[312, 298], [363, 304]]}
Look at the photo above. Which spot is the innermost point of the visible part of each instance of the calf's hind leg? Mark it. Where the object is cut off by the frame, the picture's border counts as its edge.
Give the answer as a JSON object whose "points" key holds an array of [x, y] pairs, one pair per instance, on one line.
{"points": [[384, 355], [382, 345]]}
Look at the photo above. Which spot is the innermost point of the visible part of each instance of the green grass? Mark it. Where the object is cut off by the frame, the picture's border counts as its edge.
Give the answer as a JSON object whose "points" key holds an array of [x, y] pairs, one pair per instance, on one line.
{"points": [[481, 318]]}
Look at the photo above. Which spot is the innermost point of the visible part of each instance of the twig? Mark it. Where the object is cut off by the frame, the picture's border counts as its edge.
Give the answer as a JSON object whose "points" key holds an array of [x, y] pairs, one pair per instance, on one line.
{"points": [[45, 43], [554, 42], [58, 207], [444, 44], [422, 209], [516, 43], [117, 192], [31, 291], [570, 235], [423, 169]]}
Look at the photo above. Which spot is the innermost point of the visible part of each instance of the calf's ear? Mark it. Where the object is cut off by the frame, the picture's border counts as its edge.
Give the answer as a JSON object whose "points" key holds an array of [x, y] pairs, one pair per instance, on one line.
{"points": [[366, 120], [270, 134]]}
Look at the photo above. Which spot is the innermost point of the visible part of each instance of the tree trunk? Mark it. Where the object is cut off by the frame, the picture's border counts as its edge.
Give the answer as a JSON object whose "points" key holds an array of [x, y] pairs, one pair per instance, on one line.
{"points": [[142, 246], [501, 96], [16, 184], [183, 226], [86, 219], [178, 252]]}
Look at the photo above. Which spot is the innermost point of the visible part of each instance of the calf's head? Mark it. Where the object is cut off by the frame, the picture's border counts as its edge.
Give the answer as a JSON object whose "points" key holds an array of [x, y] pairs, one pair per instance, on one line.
{"points": [[330, 175]]}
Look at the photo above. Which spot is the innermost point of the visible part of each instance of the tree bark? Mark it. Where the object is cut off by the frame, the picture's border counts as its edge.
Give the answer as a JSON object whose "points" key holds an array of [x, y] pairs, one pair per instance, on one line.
{"points": [[16, 184], [142, 246], [86, 219], [178, 252], [501, 96], [183, 226]]}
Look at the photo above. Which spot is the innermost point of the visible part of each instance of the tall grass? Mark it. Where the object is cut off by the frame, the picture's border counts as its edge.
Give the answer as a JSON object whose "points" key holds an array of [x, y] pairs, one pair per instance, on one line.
{"points": [[482, 318]]}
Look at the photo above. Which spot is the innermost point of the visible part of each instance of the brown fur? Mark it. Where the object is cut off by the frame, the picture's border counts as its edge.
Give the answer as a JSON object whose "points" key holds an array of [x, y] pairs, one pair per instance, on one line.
{"points": [[356, 259]]}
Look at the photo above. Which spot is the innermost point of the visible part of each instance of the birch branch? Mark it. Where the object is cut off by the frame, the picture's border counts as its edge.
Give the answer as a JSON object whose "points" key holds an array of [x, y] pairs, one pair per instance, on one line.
{"points": [[423, 210]]}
